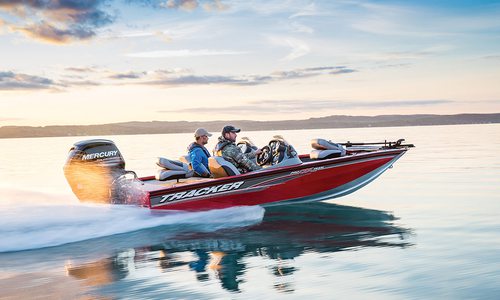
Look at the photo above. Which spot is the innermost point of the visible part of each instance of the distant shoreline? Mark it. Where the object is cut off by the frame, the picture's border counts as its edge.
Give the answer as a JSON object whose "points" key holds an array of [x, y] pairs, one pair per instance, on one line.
{"points": [[162, 127]]}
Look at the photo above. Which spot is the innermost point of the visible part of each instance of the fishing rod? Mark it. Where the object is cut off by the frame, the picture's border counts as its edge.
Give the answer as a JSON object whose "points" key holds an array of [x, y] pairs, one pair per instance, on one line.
{"points": [[385, 143]]}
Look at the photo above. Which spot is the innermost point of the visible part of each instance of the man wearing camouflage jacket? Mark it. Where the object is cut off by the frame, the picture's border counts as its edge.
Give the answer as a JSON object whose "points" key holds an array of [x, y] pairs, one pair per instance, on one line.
{"points": [[226, 147]]}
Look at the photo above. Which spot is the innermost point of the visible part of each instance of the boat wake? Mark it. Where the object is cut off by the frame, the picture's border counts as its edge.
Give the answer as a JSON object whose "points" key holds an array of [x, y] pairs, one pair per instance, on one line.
{"points": [[34, 225]]}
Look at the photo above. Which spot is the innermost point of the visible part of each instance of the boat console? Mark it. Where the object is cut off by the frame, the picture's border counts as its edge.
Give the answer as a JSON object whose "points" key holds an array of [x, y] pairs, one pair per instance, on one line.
{"points": [[278, 153]]}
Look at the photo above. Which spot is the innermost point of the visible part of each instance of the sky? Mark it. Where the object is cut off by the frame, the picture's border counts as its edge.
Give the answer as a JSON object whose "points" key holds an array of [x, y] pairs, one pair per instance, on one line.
{"points": [[69, 62]]}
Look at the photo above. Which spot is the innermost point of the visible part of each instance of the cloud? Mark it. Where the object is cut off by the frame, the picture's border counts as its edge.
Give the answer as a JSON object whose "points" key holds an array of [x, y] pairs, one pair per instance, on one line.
{"points": [[169, 79], [48, 33], [183, 53], [191, 5], [206, 80], [57, 21], [491, 57], [128, 75], [298, 47], [310, 72], [81, 69], [78, 83], [405, 19], [215, 5], [173, 31], [92, 76], [184, 77], [301, 106], [3, 25], [399, 57], [308, 11], [10, 81], [300, 28], [392, 65], [342, 71]]}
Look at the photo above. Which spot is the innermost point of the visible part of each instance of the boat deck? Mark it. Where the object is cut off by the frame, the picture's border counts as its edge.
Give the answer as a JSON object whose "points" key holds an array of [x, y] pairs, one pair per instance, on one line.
{"points": [[151, 184]]}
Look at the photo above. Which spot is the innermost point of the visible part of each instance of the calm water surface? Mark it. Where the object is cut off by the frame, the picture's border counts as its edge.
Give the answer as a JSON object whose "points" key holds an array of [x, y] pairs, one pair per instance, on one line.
{"points": [[427, 228]]}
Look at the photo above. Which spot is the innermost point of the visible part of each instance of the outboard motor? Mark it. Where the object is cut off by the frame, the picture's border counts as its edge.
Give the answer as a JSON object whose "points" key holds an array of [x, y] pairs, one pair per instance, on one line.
{"points": [[92, 169]]}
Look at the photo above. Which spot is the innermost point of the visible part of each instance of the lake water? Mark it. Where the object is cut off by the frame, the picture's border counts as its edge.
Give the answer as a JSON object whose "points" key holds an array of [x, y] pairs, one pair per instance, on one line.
{"points": [[429, 228]]}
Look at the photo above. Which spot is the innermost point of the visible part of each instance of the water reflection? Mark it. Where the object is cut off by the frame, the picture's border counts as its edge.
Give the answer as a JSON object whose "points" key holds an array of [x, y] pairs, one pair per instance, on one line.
{"points": [[101, 272], [285, 233]]}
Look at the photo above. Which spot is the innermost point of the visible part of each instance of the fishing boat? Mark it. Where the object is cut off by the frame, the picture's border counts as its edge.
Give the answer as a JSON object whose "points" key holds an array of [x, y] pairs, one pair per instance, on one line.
{"points": [[95, 170]]}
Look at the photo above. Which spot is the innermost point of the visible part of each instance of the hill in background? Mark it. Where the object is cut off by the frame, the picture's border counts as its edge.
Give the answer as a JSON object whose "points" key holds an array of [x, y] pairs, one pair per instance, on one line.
{"points": [[159, 127]]}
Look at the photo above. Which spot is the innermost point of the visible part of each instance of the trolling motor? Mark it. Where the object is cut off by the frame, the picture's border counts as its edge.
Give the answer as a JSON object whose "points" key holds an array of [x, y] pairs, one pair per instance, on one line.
{"points": [[95, 170]]}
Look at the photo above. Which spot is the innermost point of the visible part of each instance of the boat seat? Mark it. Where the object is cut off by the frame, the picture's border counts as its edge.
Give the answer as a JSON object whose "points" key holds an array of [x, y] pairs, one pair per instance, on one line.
{"points": [[324, 149], [172, 169], [187, 160], [219, 167]]}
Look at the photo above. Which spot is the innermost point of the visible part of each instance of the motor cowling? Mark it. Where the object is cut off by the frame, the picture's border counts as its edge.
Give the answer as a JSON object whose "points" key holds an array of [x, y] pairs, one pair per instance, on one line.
{"points": [[92, 168]]}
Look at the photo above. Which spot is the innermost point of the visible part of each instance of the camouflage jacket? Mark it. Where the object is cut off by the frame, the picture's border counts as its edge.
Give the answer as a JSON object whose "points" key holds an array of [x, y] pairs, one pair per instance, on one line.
{"points": [[232, 153]]}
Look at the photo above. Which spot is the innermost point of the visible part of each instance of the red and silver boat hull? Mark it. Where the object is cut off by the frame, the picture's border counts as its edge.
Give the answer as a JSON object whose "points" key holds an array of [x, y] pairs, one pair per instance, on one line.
{"points": [[313, 180]]}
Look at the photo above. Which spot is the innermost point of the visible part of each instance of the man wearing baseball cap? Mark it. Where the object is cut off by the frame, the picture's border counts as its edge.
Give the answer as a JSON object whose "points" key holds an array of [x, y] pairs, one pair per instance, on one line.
{"points": [[199, 154], [226, 147]]}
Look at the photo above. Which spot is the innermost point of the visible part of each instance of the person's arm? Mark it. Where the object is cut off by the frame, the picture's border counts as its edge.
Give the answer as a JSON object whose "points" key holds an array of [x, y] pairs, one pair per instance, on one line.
{"points": [[250, 155], [196, 162], [245, 162], [253, 154]]}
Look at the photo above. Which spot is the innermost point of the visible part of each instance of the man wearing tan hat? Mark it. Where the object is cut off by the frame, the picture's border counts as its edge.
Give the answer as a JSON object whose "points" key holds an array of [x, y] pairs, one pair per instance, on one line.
{"points": [[199, 154]]}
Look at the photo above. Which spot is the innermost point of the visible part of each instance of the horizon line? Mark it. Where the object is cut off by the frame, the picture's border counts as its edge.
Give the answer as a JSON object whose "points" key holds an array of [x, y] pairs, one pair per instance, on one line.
{"points": [[245, 120]]}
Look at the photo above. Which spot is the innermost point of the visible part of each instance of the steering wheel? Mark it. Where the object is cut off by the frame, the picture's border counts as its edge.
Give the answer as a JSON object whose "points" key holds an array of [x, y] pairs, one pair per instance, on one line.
{"points": [[265, 156]]}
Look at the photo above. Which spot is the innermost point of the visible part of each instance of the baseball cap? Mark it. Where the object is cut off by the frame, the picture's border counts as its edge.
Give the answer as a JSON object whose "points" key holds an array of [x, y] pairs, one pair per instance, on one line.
{"points": [[230, 128], [201, 132]]}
